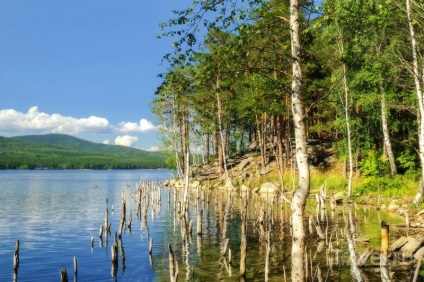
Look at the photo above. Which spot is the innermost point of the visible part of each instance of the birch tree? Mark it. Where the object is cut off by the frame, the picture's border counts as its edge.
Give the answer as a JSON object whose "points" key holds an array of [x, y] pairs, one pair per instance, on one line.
{"points": [[301, 193]]}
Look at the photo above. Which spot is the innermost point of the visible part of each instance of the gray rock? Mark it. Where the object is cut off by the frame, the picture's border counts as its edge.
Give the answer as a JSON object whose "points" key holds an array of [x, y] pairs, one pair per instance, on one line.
{"points": [[244, 163], [264, 171], [339, 196]]}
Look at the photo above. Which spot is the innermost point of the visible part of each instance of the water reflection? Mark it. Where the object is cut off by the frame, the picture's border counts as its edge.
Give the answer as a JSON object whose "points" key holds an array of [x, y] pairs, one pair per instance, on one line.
{"points": [[54, 214]]}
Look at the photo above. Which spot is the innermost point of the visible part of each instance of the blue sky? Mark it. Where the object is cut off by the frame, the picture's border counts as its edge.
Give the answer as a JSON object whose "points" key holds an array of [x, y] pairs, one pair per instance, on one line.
{"points": [[87, 68]]}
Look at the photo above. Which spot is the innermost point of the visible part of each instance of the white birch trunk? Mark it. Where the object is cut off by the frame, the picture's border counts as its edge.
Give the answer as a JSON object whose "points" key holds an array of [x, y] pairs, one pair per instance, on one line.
{"points": [[348, 131], [175, 139], [386, 134], [302, 191], [418, 88]]}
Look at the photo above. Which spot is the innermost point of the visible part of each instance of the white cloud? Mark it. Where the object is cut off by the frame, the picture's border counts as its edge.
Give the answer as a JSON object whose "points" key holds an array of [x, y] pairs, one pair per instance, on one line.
{"points": [[143, 126], [126, 140], [154, 149], [34, 121], [106, 142]]}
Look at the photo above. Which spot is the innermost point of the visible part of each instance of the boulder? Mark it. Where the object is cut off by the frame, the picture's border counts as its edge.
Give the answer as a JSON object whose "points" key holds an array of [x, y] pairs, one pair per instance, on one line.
{"points": [[244, 163], [339, 196], [264, 171]]}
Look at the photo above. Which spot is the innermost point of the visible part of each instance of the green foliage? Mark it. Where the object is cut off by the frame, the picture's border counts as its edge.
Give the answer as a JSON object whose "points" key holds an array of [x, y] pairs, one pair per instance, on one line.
{"points": [[374, 164], [408, 162], [397, 186]]}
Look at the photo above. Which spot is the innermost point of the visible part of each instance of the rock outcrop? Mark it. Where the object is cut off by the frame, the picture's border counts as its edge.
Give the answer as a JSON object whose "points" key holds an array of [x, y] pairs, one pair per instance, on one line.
{"points": [[245, 169]]}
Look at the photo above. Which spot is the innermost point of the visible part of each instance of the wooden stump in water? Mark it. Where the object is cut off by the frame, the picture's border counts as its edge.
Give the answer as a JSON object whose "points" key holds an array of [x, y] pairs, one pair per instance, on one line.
{"points": [[114, 253], [75, 266], [63, 275], [106, 219], [384, 238], [16, 256], [384, 252]]}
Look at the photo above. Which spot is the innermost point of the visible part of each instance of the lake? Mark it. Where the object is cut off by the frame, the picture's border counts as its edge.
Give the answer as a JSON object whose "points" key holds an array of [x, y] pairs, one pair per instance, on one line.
{"points": [[54, 214]]}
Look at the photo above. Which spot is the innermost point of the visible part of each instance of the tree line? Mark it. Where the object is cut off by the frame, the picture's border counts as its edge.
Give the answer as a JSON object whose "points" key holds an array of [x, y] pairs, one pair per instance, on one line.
{"points": [[231, 83]]}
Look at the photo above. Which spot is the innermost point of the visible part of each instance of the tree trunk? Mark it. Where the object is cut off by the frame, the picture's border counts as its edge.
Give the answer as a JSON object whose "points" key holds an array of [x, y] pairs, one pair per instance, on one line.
{"points": [[280, 147], [185, 140], [260, 126], [218, 146], [420, 97], [174, 129], [227, 138], [219, 104], [302, 191], [208, 153], [287, 141], [348, 132], [386, 135]]}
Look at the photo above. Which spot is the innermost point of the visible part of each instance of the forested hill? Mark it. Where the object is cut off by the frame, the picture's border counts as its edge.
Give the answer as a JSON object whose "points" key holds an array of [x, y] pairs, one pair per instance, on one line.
{"points": [[58, 151]]}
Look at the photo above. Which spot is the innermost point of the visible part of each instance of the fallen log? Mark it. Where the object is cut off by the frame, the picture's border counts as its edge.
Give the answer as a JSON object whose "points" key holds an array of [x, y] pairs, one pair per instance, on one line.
{"points": [[363, 259]]}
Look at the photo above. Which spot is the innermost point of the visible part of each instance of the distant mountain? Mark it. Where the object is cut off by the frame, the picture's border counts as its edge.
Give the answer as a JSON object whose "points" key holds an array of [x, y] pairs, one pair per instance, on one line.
{"points": [[59, 151], [68, 141]]}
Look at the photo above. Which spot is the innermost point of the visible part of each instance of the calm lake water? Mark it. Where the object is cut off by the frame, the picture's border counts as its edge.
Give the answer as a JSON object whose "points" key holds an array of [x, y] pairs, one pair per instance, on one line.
{"points": [[54, 214]]}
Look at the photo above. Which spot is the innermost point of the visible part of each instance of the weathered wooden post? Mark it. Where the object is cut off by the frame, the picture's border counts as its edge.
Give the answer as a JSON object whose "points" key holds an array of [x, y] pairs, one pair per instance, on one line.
{"points": [[114, 254], [63, 275], [106, 219], [384, 252], [384, 242], [75, 266], [16, 256]]}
